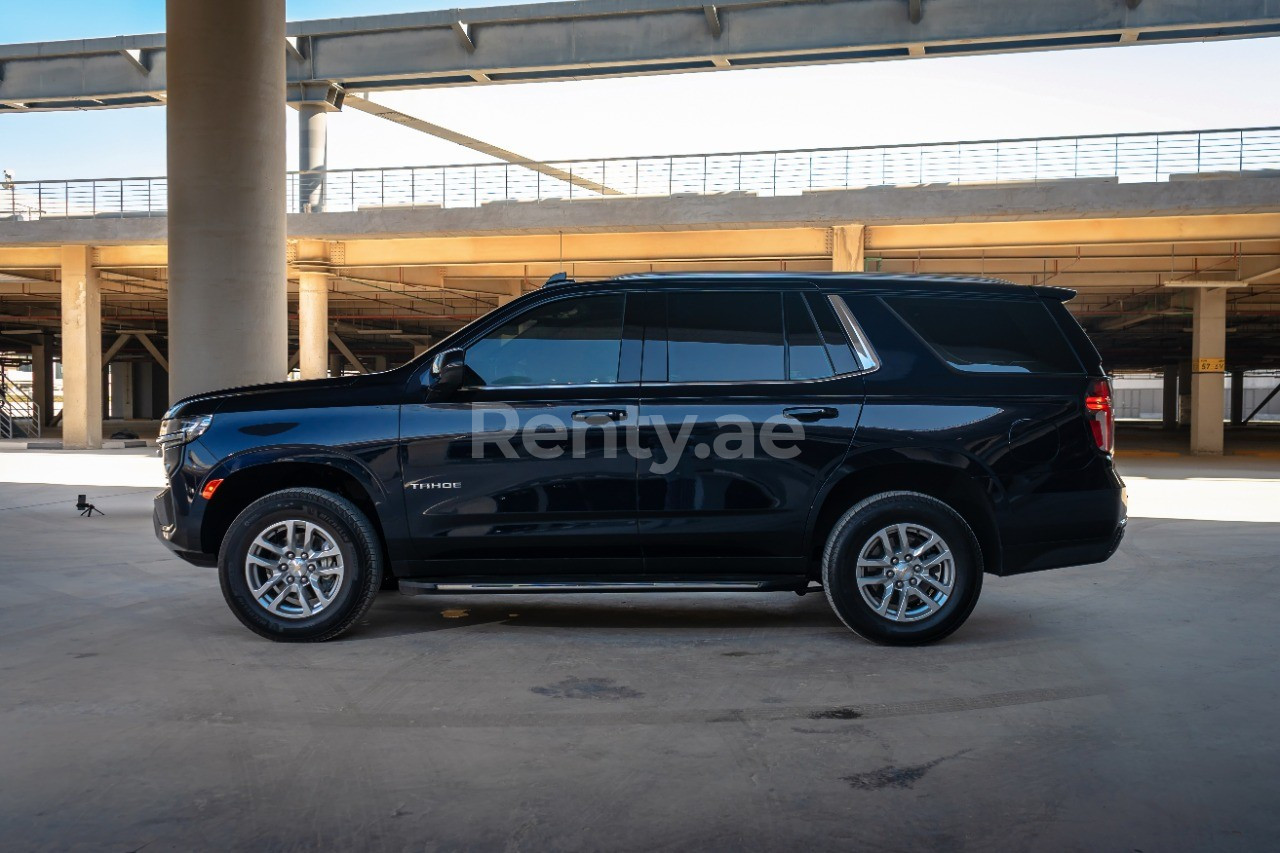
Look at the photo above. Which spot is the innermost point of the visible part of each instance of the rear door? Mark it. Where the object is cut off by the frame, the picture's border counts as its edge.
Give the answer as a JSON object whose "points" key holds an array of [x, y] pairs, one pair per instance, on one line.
{"points": [[749, 399]]}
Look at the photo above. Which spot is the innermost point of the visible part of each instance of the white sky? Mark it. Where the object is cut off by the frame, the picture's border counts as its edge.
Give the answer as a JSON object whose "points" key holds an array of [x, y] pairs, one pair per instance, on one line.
{"points": [[1103, 90]]}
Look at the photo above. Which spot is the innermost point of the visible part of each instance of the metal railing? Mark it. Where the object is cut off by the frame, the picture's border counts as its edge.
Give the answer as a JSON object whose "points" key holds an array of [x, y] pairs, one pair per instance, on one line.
{"points": [[19, 413], [1125, 158]]}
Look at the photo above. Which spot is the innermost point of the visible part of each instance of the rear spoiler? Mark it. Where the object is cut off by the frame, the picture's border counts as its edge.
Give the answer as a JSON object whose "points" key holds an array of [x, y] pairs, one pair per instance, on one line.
{"points": [[1061, 294]]}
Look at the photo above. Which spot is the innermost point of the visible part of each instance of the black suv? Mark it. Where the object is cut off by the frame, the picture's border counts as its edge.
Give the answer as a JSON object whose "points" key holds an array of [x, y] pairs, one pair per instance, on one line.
{"points": [[884, 439]]}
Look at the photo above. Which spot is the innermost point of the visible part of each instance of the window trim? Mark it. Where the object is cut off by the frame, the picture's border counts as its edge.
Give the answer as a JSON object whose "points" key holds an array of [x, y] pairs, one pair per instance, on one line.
{"points": [[863, 351]]}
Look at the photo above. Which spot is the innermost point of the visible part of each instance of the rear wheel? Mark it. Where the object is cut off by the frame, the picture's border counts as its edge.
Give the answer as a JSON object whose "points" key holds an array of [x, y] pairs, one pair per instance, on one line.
{"points": [[300, 565], [902, 568]]}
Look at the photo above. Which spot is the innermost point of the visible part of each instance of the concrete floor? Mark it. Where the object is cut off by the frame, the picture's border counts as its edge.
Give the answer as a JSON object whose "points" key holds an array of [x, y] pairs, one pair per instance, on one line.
{"points": [[1124, 706]]}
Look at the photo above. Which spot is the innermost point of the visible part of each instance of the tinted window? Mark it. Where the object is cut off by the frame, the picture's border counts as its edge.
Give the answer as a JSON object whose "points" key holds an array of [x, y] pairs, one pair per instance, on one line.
{"points": [[733, 336], [806, 353], [989, 335], [572, 341]]}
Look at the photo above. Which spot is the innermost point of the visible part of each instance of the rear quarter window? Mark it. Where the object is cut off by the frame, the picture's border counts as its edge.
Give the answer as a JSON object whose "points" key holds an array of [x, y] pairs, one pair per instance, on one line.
{"points": [[989, 335]]}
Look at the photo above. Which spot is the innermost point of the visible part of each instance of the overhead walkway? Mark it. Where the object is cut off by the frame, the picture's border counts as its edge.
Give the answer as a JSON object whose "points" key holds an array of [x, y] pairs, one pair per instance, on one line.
{"points": [[612, 38], [1134, 158]]}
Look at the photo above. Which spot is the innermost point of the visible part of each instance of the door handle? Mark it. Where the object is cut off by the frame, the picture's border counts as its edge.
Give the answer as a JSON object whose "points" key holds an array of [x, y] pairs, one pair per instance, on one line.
{"points": [[599, 416], [808, 414]]}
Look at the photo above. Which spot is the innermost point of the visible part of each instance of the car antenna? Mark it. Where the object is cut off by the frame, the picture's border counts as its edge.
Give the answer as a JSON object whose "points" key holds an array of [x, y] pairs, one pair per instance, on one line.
{"points": [[558, 278]]}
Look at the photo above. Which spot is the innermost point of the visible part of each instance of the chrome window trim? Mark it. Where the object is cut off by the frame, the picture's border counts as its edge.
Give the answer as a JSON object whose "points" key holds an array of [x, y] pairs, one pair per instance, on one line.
{"points": [[866, 354]]}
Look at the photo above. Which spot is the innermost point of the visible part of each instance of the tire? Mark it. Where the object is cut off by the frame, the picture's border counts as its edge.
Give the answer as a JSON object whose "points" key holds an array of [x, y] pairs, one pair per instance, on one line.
{"points": [[336, 553], [940, 591]]}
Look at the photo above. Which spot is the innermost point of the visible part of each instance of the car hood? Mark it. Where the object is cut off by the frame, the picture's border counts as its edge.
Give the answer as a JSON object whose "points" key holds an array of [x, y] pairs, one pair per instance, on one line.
{"points": [[309, 393]]}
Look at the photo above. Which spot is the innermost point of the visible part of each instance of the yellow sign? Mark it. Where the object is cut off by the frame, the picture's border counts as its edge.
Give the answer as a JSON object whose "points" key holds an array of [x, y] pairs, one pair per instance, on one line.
{"points": [[1211, 365]]}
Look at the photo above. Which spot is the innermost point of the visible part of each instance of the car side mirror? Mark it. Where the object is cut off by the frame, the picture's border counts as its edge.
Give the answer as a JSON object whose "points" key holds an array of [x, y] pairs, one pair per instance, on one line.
{"points": [[448, 372]]}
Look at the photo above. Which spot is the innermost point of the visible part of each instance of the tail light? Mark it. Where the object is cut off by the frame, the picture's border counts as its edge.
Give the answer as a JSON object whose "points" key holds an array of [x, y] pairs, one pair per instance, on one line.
{"points": [[1100, 414]]}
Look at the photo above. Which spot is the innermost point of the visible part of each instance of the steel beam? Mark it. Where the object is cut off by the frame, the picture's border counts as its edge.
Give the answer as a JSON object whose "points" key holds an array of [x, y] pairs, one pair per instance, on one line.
{"points": [[366, 105]]}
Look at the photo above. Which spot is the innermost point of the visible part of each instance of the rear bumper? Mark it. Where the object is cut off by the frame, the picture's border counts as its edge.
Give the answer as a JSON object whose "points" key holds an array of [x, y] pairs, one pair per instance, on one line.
{"points": [[1057, 555], [1089, 527]]}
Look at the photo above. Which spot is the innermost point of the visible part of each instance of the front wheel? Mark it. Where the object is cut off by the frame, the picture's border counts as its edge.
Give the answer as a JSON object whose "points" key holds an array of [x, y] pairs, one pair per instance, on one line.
{"points": [[300, 565], [902, 568]]}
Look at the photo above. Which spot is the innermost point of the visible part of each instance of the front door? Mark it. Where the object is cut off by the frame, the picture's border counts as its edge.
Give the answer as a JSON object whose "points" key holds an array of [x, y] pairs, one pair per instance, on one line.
{"points": [[527, 464], [756, 405]]}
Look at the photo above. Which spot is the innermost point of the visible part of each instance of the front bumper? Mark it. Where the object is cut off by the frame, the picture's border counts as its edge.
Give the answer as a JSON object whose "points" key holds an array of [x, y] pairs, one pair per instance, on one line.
{"points": [[174, 534]]}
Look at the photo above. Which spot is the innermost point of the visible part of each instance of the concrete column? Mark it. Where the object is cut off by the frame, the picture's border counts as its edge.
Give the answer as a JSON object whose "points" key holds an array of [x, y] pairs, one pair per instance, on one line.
{"points": [[228, 305], [1169, 408], [150, 395], [42, 375], [847, 244], [81, 349], [313, 325], [1237, 396], [1184, 392], [120, 381], [1208, 351], [313, 148]]}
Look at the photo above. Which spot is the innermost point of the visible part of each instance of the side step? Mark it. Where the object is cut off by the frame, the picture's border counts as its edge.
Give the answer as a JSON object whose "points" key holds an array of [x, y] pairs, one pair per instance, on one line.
{"points": [[527, 586]]}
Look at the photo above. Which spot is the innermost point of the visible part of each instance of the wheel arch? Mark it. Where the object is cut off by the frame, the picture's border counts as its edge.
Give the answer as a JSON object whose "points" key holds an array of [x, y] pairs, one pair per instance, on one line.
{"points": [[951, 480], [244, 483]]}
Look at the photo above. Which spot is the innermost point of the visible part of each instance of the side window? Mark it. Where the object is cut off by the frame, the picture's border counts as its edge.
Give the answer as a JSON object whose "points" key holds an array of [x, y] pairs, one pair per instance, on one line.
{"points": [[989, 335], [574, 341], [806, 353], [729, 336]]}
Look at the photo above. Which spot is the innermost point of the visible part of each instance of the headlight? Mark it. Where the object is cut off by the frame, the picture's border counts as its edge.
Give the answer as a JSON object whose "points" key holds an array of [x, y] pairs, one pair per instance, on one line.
{"points": [[175, 432]]}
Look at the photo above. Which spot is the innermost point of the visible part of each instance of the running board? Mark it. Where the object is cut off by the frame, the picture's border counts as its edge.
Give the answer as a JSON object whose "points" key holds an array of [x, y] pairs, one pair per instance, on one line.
{"points": [[454, 587]]}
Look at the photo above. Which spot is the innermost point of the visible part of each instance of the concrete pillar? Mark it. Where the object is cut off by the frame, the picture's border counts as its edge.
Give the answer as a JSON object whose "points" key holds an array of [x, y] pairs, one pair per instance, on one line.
{"points": [[228, 308], [379, 364], [1237, 396], [1169, 407], [313, 128], [1208, 360], [336, 363], [81, 349], [150, 390], [847, 245], [120, 381], [42, 375], [313, 325], [1184, 392]]}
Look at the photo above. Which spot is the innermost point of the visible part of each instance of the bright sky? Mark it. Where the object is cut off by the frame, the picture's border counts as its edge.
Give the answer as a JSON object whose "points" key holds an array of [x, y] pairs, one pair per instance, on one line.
{"points": [[1107, 90]]}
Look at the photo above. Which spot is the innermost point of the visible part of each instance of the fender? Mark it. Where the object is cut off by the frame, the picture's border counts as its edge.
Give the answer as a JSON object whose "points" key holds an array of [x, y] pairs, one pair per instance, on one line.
{"points": [[373, 469], [862, 461]]}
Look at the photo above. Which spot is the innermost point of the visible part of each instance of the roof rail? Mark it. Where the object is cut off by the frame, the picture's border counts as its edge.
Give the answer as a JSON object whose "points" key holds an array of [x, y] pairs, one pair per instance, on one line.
{"points": [[558, 279]]}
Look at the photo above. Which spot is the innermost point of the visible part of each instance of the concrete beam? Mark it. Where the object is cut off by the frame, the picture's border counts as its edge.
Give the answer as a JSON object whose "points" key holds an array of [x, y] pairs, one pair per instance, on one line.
{"points": [[150, 347], [570, 248], [611, 38], [346, 352], [81, 350], [1172, 212]]}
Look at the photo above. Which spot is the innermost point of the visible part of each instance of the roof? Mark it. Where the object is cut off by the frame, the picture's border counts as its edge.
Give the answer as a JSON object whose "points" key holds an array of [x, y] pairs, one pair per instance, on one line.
{"points": [[876, 280]]}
